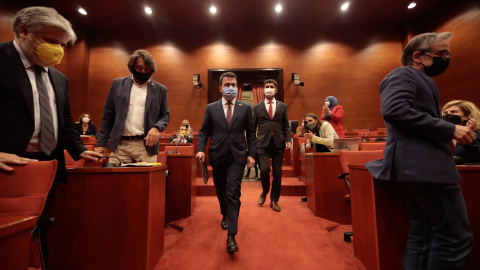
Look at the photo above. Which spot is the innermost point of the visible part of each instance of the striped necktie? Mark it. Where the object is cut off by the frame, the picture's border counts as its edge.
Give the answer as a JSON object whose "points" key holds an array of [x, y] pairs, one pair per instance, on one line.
{"points": [[47, 131]]}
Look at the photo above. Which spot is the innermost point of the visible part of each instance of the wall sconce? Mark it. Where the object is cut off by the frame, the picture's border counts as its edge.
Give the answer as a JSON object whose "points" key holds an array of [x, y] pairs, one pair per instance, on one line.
{"points": [[196, 81], [296, 79]]}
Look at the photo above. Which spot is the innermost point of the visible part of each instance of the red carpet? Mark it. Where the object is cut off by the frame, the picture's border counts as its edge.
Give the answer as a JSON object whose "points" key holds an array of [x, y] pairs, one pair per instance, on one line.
{"points": [[291, 239]]}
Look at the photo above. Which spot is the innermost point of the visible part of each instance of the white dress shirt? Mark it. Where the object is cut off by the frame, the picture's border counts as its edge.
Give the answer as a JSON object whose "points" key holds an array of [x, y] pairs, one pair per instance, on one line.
{"points": [[134, 124], [274, 103], [34, 145], [225, 106]]}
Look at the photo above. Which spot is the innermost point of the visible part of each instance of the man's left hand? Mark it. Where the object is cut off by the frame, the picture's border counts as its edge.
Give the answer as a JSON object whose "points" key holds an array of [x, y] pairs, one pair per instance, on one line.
{"points": [[152, 136], [91, 155], [250, 162], [471, 123], [288, 145]]}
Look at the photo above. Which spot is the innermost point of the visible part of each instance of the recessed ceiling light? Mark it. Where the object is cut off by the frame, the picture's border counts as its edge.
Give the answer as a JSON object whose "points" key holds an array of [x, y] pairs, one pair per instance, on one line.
{"points": [[278, 8], [82, 11], [345, 6], [213, 9], [148, 10], [412, 5]]}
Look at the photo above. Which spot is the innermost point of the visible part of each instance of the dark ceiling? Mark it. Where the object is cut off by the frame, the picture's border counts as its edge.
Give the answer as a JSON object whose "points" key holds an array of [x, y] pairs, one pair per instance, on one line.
{"points": [[194, 14]]}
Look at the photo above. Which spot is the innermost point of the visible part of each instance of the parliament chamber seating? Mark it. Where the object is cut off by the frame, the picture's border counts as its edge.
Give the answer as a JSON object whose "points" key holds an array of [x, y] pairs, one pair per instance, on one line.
{"points": [[355, 157], [23, 192], [368, 146]]}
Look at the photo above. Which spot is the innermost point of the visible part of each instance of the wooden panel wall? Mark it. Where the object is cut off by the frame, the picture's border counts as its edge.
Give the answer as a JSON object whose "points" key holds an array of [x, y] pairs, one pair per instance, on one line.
{"points": [[348, 66]]}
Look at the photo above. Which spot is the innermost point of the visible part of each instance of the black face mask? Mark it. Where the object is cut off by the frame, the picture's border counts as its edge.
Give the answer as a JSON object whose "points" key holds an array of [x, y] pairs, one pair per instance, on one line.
{"points": [[438, 67], [452, 118], [142, 77]]}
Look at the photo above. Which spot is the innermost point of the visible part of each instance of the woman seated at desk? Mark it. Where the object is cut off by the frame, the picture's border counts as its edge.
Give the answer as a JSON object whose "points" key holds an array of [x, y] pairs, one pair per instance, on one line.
{"points": [[84, 125], [462, 112], [318, 131]]}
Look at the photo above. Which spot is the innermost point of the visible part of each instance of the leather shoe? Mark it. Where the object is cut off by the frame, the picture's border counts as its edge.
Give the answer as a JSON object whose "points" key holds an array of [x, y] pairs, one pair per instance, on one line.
{"points": [[224, 223], [304, 199], [261, 199], [231, 244], [275, 206]]}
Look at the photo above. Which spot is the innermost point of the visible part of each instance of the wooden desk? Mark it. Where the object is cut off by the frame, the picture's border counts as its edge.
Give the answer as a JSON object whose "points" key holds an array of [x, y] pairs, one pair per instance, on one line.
{"points": [[109, 218], [325, 191], [181, 186], [15, 241], [380, 219], [296, 156]]}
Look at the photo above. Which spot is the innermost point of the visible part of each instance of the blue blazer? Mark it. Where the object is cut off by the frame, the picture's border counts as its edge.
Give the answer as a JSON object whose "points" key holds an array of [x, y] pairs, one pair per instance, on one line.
{"points": [[240, 133], [279, 124], [417, 146], [17, 110], [116, 109]]}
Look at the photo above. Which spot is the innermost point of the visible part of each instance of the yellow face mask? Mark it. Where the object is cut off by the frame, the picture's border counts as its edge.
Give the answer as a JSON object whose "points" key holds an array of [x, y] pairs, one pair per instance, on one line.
{"points": [[50, 54], [183, 132]]}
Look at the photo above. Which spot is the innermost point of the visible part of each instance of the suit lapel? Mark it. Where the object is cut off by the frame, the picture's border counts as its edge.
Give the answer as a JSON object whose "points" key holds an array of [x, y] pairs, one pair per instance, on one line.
{"points": [[435, 94], [59, 97], [221, 114], [236, 112], [150, 95], [20, 76]]}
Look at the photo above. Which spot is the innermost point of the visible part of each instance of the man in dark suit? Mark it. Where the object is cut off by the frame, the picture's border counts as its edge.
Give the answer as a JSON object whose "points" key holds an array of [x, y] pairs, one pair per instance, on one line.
{"points": [[419, 160], [273, 137], [181, 136], [34, 105], [135, 113], [228, 123]]}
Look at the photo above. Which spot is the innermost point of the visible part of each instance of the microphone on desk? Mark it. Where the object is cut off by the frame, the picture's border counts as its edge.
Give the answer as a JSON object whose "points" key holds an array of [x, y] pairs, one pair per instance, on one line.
{"points": [[111, 164]]}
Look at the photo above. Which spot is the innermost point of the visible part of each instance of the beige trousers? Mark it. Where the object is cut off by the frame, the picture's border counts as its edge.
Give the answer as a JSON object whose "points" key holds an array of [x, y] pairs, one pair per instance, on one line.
{"points": [[132, 151]]}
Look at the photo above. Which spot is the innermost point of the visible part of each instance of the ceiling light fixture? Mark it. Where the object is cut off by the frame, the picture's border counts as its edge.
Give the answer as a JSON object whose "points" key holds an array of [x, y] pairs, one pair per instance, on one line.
{"points": [[345, 6], [213, 9], [278, 8], [148, 10], [412, 5], [82, 11]]}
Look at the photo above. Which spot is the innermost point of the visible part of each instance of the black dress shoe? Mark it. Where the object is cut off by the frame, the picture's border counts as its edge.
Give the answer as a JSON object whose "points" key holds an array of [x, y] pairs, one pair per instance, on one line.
{"points": [[304, 199], [274, 206], [224, 223], [231, 244], [261, 199]]}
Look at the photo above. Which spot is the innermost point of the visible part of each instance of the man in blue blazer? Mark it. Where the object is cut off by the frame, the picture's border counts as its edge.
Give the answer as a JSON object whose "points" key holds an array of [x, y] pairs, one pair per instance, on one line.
{"points": [[228, 123], [273, 137], [135, 113], [419, 159]]}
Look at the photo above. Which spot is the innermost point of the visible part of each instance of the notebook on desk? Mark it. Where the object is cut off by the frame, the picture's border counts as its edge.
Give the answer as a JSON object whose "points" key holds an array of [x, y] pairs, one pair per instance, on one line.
{"points": [[345, 144]]}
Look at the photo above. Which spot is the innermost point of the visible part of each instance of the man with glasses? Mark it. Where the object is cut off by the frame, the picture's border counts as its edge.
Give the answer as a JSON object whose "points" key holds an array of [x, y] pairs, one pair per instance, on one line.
{"points": [[418, 157], [273, 137]]}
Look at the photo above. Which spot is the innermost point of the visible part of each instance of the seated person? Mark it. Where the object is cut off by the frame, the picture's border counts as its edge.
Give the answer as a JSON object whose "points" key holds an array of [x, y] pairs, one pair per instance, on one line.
{"points": [[318, 131], [186, 123], [181, 136], [462, 112], [84, 125]]}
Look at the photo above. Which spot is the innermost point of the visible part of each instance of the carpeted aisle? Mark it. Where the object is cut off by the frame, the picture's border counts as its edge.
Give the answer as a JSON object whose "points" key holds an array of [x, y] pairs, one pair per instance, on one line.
{"points": [[291, 239]]}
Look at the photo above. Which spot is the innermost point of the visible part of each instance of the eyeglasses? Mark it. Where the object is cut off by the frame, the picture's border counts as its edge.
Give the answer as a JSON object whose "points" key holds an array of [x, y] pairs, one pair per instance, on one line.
{"points": [[441, 53]]}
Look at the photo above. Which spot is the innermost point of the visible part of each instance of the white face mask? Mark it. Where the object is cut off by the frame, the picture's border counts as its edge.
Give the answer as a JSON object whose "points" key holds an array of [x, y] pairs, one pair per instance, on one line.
{"points": [[269, 92], [327, 103], [85, 120]]}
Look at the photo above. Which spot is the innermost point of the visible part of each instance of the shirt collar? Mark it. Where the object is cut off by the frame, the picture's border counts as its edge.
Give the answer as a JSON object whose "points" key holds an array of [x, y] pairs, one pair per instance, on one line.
{"points": [[224, 101], [25, 61], [273, 101]]}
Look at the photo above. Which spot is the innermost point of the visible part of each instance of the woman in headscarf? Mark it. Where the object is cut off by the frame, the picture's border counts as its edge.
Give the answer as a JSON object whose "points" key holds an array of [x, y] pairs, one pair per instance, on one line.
{"points": [[333, 113]]}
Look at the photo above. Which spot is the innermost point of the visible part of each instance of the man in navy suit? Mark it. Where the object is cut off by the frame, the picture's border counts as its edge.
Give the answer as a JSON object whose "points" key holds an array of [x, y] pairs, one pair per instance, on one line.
{"points": [[419, 159], [273, 137], [34, 105], [135, 113], [228, 123]]}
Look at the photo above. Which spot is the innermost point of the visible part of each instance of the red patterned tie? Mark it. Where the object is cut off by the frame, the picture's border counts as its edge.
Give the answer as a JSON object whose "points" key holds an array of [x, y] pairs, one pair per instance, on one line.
{"points": [[270, 110], [229, 112]]}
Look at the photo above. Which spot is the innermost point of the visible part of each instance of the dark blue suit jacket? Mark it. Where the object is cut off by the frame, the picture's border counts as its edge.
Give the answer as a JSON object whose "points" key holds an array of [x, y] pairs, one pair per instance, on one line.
{"points": [[240, 133], [17, 111], [417, 146], [279, 124], [116, 109]]}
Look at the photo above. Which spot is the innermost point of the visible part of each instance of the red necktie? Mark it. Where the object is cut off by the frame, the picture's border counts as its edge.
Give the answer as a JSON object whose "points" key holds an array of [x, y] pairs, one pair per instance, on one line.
{"points": [[452, 147], [270, 110], [229, 112]]}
